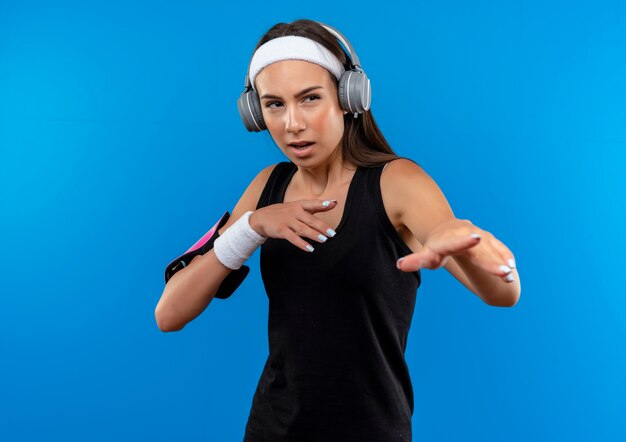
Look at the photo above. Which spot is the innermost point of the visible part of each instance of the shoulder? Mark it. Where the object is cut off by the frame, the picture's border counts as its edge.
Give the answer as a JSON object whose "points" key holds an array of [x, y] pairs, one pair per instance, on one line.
{"points": [[261, 178], [403, 175], [403, 166], [412, 196], [250, 197], [400, 178]]}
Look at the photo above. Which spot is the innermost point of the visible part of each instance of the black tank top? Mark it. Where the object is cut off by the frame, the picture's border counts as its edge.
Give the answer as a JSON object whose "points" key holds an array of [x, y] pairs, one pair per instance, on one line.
{"points": [[338, 324]]}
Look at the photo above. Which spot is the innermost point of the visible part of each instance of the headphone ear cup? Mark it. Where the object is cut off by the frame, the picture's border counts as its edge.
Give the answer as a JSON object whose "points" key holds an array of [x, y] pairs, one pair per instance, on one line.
{"points": [[250, 111], [355, 93]]}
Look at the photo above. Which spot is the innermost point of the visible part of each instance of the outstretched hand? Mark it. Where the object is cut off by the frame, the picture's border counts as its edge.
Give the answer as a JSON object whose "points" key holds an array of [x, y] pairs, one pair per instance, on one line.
{"points": [[461, 237]]}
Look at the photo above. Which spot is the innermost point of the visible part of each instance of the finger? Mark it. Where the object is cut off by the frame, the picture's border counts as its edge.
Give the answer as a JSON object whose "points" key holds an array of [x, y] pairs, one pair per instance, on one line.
{"points": [[294, 239], [510, 277], [317, 205], [489, 258], [504, 251], [319, 226], [506, 257], [457, 245], [425, 258], [303, 229], [436, 255]]}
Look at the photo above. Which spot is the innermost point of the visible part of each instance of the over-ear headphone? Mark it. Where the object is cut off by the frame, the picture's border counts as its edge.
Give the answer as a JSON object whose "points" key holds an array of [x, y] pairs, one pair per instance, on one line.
{"points": [[354, 90]]}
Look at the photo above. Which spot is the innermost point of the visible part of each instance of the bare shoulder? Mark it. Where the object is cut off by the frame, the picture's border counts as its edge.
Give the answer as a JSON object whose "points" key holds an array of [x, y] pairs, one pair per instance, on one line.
{"points": [[396, 176], [402, 168], [412, 198], [250, 197]]}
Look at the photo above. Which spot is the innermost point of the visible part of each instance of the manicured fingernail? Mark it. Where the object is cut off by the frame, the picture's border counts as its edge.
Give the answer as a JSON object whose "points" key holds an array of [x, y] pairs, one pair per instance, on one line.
{"points": [[326, 203], [322, 237], [474, 235], [398, 263], [310, 248], [509, 277], [331, 232], [505, 269], [512, 263]]}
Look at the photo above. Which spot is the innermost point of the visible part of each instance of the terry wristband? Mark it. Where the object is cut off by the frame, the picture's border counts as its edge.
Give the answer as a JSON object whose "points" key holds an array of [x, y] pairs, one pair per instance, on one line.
{"points": [[232, 281], [237, 243]]}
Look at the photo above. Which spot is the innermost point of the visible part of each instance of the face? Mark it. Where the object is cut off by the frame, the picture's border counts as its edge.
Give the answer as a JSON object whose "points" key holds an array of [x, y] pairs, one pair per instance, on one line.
{"points": [[299, 103]]}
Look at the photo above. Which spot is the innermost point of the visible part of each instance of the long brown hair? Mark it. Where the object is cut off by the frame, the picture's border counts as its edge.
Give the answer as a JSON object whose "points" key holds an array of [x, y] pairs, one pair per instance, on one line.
{"points": [[363, 143]]}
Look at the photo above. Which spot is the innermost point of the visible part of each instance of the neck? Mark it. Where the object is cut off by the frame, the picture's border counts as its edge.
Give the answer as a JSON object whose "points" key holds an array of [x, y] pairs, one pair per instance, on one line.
{"points": [[322, 178]]}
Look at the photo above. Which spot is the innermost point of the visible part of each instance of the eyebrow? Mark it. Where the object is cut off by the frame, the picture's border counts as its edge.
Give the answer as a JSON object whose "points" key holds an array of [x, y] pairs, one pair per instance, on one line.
{"points": [[302, 92]]}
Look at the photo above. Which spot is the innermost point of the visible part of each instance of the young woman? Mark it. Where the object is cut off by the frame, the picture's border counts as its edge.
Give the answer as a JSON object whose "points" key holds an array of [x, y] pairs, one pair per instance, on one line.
{"points": [[345, 225]]}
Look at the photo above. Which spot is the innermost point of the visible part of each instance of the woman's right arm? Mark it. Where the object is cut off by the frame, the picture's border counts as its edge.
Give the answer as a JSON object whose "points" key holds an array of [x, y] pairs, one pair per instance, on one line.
{"points": [[190, 290]]}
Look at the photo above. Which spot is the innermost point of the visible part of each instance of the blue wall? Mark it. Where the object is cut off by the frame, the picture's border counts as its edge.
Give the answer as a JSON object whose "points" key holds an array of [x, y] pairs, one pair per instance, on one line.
{"points": [[121, 144]]}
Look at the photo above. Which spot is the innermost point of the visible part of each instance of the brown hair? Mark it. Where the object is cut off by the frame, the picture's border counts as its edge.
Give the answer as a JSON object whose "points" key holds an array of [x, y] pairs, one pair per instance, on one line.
{"points": [[363, 143]]}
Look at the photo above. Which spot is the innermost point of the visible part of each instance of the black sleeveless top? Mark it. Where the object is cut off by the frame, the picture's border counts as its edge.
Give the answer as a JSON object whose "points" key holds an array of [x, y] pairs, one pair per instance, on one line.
{"points": [[338, 323]]}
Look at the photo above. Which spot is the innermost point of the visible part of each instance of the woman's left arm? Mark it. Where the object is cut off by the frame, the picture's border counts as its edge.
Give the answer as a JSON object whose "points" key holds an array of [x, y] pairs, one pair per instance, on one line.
{"points": [[472, 255]]}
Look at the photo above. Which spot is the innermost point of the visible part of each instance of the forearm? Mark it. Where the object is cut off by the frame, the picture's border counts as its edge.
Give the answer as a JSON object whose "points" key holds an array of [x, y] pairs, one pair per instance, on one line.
{"points": [[190, 291], [492, 289]]}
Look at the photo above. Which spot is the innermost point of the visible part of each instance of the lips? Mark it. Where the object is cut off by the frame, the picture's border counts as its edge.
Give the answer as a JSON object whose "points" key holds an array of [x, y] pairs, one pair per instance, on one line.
{"points": [[302, 151], [302, 143]]}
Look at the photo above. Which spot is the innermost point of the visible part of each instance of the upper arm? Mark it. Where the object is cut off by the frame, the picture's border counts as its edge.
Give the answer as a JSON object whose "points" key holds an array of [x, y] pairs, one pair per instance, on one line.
{"points": [[247, 201], [420, 205], [250, 197]]}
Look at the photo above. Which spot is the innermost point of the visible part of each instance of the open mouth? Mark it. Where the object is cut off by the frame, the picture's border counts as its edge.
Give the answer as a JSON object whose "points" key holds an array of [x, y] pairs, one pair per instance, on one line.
{"points": [[301, 147]]}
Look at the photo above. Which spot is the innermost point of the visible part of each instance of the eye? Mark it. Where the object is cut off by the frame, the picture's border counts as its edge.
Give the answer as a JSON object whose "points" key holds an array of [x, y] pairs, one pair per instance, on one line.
{"points": [[269, 105], [276, 104]]}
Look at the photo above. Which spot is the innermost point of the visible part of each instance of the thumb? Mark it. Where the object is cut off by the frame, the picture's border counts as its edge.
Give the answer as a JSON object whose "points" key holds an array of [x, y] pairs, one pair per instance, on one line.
{"points": [[318, 205]]}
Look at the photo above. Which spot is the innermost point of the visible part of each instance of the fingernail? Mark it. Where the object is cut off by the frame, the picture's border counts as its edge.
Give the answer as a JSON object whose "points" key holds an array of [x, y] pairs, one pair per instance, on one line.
{"points": [[326, 203], [322, 237], [331, 232], [512, 263], [474, 235], [505, 269], [310, 248], [509, 277], [398, 263]]}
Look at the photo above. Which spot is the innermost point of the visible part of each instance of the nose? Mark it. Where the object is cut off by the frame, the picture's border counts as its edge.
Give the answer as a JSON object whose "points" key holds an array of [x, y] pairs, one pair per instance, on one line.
{"points": [[295, 121]]}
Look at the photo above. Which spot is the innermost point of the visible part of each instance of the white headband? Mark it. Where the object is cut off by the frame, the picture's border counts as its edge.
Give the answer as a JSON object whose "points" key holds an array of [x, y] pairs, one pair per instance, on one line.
{"points": [[293, 47]]}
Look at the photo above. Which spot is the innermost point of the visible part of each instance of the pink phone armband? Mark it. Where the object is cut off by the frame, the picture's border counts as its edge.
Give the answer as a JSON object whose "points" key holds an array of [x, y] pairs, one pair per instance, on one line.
{"points": [[202, 246]]}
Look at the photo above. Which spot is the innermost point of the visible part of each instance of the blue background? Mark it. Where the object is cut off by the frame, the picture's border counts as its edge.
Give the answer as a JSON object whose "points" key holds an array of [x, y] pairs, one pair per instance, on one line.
{"points": [[121, 144]]}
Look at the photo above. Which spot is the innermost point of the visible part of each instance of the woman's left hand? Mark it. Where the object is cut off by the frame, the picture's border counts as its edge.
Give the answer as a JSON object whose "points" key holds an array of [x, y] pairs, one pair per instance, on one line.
{"points": [[461, 237]]}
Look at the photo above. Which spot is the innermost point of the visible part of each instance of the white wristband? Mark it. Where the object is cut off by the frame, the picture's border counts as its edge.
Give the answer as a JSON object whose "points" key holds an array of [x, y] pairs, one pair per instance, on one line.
{"points": [[237, 243]]}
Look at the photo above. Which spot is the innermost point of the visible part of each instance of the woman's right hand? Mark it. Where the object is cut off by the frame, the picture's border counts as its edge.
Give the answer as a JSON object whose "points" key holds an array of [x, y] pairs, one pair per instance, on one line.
{"points": [[292, 220]]}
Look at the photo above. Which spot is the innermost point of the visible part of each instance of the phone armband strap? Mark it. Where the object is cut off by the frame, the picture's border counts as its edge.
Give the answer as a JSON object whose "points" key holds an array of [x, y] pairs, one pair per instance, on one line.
{"points": [[202, 246]]}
